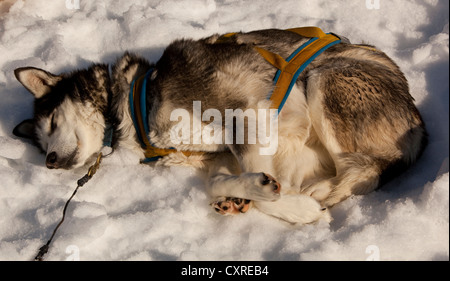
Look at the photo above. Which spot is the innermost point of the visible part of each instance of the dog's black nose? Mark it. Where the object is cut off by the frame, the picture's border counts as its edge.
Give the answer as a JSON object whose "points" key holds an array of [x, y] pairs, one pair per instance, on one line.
{"points": [[51, 160]]}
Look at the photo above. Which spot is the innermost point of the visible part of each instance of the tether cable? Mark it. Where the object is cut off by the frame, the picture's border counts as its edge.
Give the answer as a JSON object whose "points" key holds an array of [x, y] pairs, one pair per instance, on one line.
{"points": [[92, 170]]}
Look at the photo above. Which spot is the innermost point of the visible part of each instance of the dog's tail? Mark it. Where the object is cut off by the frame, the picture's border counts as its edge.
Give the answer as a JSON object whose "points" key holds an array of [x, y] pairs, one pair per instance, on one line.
{"points": [[398, 167]]}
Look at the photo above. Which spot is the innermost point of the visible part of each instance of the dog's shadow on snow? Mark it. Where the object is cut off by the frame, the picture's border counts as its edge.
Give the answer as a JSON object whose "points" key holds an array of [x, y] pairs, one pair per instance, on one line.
{"points": [[434, 108], [150, 54]]}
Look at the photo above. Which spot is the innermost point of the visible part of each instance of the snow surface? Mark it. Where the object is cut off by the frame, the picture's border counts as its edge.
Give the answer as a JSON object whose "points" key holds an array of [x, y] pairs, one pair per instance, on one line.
{"points": [[138, 212]]}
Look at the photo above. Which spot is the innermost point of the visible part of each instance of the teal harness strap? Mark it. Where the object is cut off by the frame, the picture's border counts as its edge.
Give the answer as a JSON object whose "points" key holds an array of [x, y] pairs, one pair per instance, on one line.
{"points": [[139, 115], [141, 110]]}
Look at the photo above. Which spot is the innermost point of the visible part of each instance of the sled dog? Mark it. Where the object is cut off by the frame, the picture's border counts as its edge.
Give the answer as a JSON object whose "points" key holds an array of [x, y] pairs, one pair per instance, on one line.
{"points": [[348, 124]]}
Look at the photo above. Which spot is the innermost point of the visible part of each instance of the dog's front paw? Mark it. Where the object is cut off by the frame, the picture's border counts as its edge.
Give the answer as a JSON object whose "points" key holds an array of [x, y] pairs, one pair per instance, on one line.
{"points": [[231, 206], [264, 187]]}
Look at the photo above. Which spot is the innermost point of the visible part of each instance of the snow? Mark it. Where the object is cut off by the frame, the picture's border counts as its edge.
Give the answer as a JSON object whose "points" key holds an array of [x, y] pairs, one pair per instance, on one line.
{"points": [[139, 212]]}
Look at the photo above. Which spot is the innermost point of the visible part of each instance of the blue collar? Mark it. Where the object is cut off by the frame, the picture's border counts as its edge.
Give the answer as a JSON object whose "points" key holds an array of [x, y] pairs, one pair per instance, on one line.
{"points": [[108, 135]]}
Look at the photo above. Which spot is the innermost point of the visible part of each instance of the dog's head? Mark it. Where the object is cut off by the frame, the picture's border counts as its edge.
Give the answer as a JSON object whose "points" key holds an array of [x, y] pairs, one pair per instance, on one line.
{"points": [[69, 113]]}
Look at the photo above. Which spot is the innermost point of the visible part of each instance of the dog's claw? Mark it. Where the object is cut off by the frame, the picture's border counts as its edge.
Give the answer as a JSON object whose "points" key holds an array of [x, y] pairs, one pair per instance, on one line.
{"points": [[268, 179], [265, 180]]}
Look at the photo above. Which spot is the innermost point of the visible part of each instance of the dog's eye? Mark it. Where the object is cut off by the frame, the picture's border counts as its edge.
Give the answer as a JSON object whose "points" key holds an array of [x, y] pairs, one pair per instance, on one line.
{"points": [[52, 124]]}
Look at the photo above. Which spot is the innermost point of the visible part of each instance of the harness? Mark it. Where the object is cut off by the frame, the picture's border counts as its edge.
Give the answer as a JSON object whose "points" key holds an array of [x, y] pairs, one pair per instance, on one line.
{"points": [[288, 70], [138, 109]]}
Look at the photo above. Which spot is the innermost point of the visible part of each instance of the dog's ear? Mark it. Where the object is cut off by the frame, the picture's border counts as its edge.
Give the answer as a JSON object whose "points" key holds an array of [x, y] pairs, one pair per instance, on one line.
{"points": [[25, 129], [37, 81]]}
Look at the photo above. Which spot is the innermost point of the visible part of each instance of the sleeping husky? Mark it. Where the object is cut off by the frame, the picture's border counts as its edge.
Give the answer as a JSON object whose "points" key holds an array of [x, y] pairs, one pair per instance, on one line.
{"points": [[348, 124]]}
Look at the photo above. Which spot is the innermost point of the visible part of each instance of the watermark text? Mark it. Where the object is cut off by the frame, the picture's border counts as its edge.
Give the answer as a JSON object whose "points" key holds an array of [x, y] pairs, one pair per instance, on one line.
{"points": [[73, 4], [252, 126], [73, 253], [373, 4]]}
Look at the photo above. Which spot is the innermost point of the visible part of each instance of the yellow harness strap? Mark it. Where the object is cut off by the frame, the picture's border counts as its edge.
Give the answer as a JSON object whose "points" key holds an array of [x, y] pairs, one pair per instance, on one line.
{"points": [[290, 69], [308, 31], [279, 62]]}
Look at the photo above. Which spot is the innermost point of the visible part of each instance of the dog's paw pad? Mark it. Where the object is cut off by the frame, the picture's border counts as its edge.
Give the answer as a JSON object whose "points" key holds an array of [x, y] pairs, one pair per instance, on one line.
{"points": [[269, 180], [231, 206]]}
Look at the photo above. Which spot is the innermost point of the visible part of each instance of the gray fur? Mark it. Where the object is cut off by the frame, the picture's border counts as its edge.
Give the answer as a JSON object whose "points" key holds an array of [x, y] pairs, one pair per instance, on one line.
{"points": [[349, 119]]}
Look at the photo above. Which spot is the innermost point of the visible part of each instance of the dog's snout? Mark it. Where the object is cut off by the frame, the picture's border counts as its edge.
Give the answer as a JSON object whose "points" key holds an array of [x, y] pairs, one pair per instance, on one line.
{"points": [[52, 160]]}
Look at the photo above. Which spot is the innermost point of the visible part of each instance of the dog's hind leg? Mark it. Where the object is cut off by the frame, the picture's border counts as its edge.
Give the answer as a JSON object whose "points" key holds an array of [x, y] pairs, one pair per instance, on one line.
{"points": [[363, 114], [356, 174]]}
